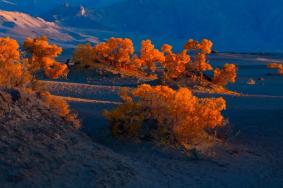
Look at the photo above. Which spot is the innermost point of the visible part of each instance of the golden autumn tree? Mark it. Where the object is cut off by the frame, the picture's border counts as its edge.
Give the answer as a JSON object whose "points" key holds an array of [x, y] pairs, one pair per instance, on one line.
{"points": [[277, 66], [201, 51], [227, 75], [180, 117], [116, 52], [149, 56], [174, 64], [17, 72], [12, 71], [83, 55], [42, 57]]}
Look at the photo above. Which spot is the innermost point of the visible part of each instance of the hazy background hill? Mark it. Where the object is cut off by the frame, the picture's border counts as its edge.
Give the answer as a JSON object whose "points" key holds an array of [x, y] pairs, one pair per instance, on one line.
{"points": [[242, 25]]}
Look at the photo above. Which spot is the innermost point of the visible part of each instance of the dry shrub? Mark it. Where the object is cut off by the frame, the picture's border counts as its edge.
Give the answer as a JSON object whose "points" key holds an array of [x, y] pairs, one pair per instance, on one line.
{"points": [[171, 117], [60, 107], [277, 66]]}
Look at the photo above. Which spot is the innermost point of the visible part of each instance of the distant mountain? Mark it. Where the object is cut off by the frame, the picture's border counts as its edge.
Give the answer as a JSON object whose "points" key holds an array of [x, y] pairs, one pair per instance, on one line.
{"points": [[242, 25], [39, 7], [19, 25]]}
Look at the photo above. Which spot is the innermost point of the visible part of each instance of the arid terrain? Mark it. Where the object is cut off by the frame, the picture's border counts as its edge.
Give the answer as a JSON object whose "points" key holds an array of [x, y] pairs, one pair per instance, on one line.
{"points": [[141, 93], [250, 157]]}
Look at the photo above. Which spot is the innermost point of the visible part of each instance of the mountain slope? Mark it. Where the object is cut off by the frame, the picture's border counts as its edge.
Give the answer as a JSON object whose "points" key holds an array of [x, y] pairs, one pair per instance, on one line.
{"points": [[38, 7], [242, 25], [19, 25]]}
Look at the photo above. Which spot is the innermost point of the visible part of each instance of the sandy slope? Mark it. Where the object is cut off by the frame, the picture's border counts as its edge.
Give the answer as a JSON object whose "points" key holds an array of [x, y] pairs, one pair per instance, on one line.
{"points": [[46, 152], [251, 158], [40, 149], [21, 25]]}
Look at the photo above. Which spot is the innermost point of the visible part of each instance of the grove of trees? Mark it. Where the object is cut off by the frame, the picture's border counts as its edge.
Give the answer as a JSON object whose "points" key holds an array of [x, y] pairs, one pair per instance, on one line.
{"points": [[191, 62], [21, 71], [170, 116]]}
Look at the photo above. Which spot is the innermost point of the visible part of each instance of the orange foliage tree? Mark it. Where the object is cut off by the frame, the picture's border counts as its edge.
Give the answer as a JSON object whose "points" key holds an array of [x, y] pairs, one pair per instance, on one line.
{"points": [[277, 66], [226, 75], [18, 72], [42, 57], [12, 71], [149, 56], [179, 117], [116, 52], [201, 49], [83, 55], [174, 64]]}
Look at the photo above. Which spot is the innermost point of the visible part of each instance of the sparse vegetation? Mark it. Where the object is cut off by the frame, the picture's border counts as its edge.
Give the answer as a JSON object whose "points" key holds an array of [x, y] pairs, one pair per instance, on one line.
{"points": [[20, 73], [190, 65], [227, 75], [169, 116], [277, 66]]}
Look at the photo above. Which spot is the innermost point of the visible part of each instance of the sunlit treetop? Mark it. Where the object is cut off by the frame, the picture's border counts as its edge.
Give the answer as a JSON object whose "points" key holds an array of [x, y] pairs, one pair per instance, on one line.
{"points": [[12, 70], [174, 64], [115, 51], [42, 57], [150, 55], [9, 51], [227, 75], [277, 66], [204, 46], [39, 47]]}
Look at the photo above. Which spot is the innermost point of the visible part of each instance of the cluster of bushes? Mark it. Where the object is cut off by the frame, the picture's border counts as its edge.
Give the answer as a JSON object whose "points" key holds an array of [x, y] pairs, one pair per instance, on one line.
{"points": [[166, 115], [277, 66], [20, 69], [169, 116], [119, 54]]}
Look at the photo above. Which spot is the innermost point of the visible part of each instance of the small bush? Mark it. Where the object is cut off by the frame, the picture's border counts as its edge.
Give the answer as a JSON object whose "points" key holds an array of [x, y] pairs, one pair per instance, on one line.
{"points": [[277, 66], [227, 75], [175, 117], [60, 107]]}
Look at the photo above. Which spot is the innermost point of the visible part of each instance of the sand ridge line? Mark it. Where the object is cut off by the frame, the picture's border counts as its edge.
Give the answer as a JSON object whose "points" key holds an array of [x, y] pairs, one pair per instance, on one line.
{"points": [[73, 84], [81, 84], [73, 99]]}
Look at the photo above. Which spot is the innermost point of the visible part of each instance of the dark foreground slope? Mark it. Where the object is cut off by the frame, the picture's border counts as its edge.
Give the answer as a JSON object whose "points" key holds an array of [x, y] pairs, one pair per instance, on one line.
{"points": [[41, 149]]}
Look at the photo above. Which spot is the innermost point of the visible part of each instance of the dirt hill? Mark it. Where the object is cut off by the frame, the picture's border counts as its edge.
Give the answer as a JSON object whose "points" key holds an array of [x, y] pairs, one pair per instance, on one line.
{"points": [[40, 149]]}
